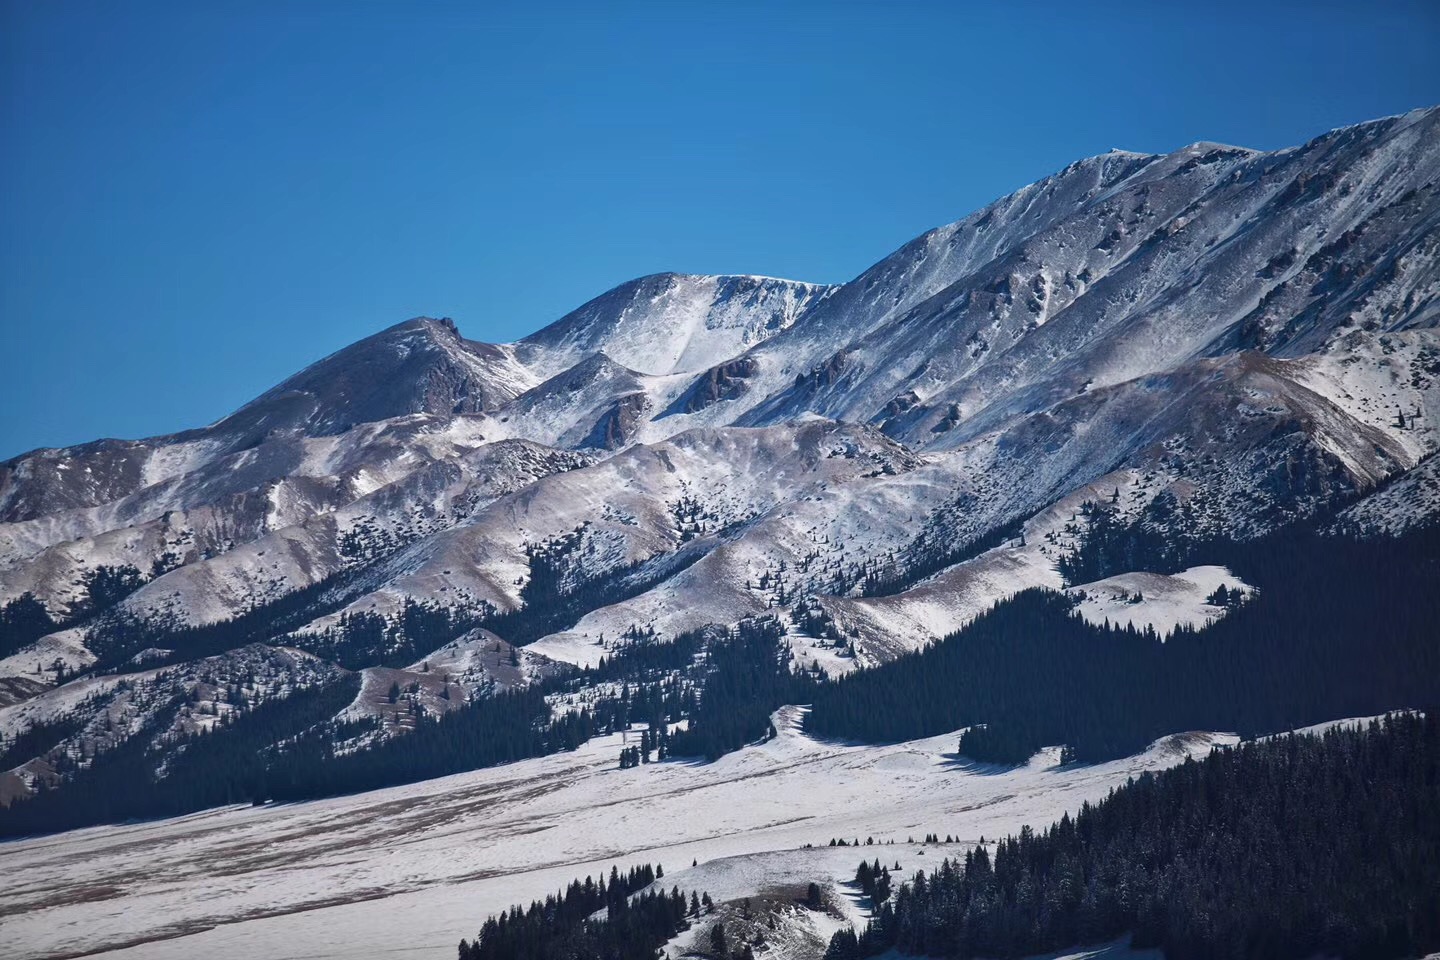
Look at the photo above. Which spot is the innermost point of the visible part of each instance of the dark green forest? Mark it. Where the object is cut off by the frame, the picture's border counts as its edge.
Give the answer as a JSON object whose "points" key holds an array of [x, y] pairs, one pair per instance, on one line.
{"points": [[564, 926], [1282, 849], [226, 766], [1339, 628]]}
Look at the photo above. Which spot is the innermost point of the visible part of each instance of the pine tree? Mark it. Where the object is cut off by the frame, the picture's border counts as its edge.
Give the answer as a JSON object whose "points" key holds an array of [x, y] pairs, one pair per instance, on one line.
{"points": [[718, 945]]}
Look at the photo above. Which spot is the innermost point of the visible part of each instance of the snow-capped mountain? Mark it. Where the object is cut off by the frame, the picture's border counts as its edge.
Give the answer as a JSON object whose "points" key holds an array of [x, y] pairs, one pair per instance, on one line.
{"points": [[1217, 339], [669, 323]]}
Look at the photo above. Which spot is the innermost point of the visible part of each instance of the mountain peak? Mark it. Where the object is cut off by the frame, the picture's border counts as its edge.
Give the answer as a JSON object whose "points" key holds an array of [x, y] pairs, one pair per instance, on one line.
{"points": [[440, 325], [1195, 347], [1212, 146], [667, 323], [422, 365]]}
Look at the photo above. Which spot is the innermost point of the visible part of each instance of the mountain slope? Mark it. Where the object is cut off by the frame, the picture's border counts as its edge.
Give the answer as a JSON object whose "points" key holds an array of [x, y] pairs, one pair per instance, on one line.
{"points": [[672, 323], [1211, 344]]}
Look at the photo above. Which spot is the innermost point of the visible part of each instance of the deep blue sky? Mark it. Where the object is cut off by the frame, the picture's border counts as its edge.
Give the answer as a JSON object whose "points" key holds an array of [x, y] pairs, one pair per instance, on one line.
{"points": [[197, 200]]}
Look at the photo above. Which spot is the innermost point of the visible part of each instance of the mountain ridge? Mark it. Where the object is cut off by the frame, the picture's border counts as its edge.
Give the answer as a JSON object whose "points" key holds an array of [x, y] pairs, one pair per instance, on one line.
{"points": [[1215, 342]]}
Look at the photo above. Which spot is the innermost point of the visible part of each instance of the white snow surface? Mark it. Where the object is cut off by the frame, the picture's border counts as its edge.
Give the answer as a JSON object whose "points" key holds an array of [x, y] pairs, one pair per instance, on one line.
{"points": [[413, 869], [1161, 602]]}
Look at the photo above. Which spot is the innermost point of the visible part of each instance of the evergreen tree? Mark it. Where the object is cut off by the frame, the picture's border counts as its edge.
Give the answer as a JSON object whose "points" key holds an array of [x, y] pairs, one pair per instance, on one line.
{"points": [[719, 946]]}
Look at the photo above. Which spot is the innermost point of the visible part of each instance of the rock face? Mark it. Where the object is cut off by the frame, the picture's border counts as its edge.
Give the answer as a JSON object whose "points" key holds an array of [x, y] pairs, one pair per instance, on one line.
{"points": [[1241, 339], [724, 381]]}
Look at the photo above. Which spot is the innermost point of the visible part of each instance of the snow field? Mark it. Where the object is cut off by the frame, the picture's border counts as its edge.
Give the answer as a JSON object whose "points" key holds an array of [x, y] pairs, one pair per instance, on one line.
{"points": [[412, 869]]}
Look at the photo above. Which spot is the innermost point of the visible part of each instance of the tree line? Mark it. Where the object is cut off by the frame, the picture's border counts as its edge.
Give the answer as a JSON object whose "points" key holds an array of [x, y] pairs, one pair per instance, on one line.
{"points": [[26, 618], [746, 677], [363, 638]]}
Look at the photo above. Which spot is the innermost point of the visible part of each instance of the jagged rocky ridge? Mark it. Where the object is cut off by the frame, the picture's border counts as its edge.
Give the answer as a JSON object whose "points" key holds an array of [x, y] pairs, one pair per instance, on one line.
{"points": [[1218, 337]]}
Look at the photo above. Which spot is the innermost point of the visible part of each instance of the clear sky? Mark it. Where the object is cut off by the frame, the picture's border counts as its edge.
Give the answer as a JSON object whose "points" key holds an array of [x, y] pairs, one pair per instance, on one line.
{"points": [[198, 199]]}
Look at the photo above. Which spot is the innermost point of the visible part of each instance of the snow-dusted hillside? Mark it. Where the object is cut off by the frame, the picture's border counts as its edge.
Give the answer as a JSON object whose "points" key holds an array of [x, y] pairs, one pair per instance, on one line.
{"points": [[1218, 341], [1411, 500], [670, 323], [162, 706]]}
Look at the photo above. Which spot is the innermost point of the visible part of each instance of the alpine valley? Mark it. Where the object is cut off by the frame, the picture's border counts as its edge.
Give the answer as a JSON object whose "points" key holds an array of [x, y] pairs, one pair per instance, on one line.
{"points": [[722, 574]]}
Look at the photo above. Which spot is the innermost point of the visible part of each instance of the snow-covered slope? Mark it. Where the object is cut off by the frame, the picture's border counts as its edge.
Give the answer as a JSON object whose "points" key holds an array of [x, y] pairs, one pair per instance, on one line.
{"points": [[1248, 338], [1411, 500], [420, 504], [1159, 602], [697, 494], [1205, 251], [416, 868], [672, 323]]}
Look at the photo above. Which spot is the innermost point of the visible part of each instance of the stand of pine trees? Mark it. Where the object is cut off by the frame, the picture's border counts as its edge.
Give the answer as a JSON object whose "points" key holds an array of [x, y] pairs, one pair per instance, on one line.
{"points": [[1339, 628], [1160, 542], [746, 678], [236, 762], [38, 739], [557, 594], [932, 552], [24, 620], [874, 881], [363, 638], [1285, 849], [564, 926], [115, 636]]}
